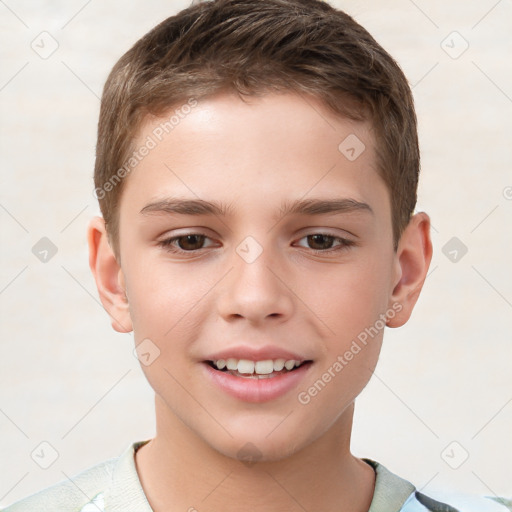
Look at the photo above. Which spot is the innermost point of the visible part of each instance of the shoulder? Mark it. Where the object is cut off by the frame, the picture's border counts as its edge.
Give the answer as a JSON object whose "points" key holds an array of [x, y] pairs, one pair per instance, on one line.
{"points": [[111, 485], [395, 493], [72, 494], [455, 502]]}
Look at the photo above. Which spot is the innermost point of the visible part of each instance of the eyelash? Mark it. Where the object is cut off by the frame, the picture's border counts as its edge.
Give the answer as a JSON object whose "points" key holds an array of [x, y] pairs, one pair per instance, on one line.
{"points": [[345, 244]]}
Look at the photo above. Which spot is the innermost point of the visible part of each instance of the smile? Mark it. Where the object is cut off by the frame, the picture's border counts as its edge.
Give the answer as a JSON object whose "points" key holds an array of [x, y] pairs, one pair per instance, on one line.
{"points": [[256, 381], [265, 369]]}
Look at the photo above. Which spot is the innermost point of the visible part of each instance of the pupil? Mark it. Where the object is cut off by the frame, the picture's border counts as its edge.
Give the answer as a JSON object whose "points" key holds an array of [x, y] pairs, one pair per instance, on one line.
{"points": [[325, 245], [190, 238]]}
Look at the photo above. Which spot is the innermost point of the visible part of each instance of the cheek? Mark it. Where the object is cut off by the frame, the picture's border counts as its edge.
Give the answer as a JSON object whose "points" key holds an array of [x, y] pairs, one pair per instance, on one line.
{"points": [[163, 299], [350, 298], [161, 294], [355, 305], [337, 384], [351, 307]]}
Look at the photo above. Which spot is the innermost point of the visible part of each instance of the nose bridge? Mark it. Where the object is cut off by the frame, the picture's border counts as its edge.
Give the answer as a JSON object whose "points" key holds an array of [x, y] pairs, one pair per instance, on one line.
{"points": [[254, 289]]}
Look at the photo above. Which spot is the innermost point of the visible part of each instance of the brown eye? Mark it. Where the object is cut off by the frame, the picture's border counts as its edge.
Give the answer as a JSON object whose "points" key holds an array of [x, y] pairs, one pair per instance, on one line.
{"points": [[184, 243], [321, 242], [190, 242], [324, 243]]}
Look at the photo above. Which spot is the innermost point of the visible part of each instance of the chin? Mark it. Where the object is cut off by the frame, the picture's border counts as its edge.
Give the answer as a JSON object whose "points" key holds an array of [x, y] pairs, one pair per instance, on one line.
{"points": [[259, 448]]}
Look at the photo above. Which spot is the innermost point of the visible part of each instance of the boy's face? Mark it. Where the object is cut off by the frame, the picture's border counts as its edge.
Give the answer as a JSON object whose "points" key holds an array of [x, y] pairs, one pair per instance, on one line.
{"points": [[251, 286]]}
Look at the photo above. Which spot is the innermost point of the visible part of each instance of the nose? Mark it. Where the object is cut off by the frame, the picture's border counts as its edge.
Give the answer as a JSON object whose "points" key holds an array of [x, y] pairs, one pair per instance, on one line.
{"points": [[256, 289]]}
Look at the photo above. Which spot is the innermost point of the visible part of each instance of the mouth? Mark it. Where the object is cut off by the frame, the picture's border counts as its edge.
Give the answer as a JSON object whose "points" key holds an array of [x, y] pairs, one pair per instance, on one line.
{"points": [[262, 369], [256, 375], [257, 381]]}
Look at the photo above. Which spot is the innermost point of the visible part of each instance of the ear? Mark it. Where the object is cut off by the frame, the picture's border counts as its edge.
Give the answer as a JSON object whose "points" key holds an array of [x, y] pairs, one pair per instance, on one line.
{"points": [[413, 257], [108, 276]]}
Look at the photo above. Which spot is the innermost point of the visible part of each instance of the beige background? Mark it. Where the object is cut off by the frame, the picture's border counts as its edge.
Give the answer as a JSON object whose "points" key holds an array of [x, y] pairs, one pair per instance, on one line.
{"points": [[71, 381]]}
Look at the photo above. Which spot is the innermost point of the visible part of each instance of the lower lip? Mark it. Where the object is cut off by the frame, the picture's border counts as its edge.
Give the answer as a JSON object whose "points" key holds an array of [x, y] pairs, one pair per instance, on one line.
{"points": [[254, 389]]}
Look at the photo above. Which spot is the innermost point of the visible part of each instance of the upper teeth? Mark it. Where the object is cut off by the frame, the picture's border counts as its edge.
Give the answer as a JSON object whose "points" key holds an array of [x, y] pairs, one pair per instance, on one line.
{"points": [[260, 367]]}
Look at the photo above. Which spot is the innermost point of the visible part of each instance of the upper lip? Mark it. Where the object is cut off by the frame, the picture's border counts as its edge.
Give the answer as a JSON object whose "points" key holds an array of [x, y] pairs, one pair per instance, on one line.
{"points": [[256, 354]]}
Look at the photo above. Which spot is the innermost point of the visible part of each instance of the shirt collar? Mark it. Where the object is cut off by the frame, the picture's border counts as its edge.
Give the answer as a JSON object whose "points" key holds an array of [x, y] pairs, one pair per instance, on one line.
{"points": [[125, 494], [391, 492]]}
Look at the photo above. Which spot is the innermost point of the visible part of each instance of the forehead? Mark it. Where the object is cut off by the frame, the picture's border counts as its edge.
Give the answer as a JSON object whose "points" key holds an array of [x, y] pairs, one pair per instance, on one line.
{"points": [[278, 118], [273, 147]]}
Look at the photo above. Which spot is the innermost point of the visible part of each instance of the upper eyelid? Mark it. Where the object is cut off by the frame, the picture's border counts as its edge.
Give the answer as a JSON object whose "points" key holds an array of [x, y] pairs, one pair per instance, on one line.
{"points": [[312, 230], [200, 233], [174, 238]]}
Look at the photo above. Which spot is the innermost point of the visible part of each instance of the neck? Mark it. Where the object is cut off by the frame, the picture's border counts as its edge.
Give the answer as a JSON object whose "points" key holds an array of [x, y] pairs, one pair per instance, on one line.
{"points": [[179, 471]]}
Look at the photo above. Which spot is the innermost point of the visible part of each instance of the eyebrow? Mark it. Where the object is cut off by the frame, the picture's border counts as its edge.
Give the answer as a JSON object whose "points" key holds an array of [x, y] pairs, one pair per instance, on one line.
{"points": [[298, 207], [324, 206]]}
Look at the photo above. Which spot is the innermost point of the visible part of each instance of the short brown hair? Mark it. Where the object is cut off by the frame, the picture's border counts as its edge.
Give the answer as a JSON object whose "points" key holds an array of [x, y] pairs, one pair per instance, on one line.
{"points": [[254, 47]]}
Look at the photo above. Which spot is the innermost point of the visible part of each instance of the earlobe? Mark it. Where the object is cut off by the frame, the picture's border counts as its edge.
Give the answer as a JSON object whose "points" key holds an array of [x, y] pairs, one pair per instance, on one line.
{"points": [[413, 258], [108, 275]]}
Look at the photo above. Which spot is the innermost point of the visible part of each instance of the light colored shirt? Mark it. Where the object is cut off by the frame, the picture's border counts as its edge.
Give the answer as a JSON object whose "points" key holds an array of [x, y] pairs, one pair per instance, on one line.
{"points": [[114, 486]]}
